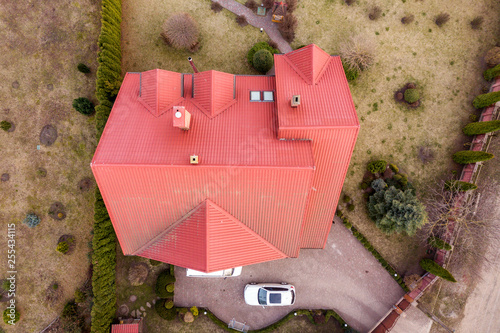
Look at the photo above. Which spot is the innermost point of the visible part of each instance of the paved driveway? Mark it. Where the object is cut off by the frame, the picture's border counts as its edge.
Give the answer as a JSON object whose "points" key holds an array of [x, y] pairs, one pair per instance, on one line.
{"points": [[343, 276]]}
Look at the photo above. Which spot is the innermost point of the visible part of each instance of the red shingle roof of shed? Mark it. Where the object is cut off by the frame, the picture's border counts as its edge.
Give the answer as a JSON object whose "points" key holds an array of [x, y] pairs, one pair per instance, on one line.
{"points": [[218, 239], [125, 328]]}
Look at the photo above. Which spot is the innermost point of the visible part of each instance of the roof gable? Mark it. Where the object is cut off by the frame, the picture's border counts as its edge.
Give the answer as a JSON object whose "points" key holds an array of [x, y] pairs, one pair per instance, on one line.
{"points": [[213, 91], [309, 62], [209, 239], [160, 90]]}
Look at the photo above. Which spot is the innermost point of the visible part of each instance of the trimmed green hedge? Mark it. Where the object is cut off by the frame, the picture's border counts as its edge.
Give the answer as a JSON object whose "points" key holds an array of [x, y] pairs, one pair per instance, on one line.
{"points": [[284, 320], [163, 312], [372, 250], [164, 279], [485, 100], [257, 47], [439, 243], [469, 156], [434, 268], [491, 73], [263, 61], [457, 185], [481, 127]]}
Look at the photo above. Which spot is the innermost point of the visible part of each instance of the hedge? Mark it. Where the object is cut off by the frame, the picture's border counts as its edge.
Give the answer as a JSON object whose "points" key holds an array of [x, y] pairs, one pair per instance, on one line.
{"points": [[163, 312], [458, 185], [372, 250], [164, 279], [492, 73], [259, 46], [434, 268], [485, 100], [273, 327], [469, 156], [439, 243], [481, 127]]}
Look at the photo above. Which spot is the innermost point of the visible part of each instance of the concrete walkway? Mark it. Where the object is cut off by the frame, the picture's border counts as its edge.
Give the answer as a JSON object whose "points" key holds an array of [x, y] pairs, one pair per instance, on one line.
{"points": [[343, 276], [253, 19]]}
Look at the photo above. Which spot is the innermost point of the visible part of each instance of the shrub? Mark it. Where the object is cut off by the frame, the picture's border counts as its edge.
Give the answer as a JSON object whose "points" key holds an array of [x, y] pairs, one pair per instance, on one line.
{"points": [[378, 184], [288, 26], [411, 95], [407, 19], [11, 316], [180, 31], [170, 288], [5, 125], [83, 105], [468, 156], [163, 312], [164, 279], [351, 74], [216, 7], [482, 127], [477, 22], [251, 4], [394, 210], [350, 207], [31, 220], [83, 68], [402, 179], [257, 47], [263, 61], [358, 53], [433, 267], [137, 274], [169, 304], [268, 4], [457, 185], [194, 311], [439, 243], [441, 19], [241, 20], [349, 2], [363, 186], [79, 296], [377, 166], [292, 5], [62, 247], [485, 100], [394, 168], [154, 262], [346, 198], [492, 57], [491, 73], [375, 13]]}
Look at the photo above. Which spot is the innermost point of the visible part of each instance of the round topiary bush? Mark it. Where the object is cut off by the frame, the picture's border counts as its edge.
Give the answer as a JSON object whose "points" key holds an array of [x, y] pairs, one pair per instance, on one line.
{"points": [[346, 198], [259, 46], [164, 279], [11, 316], [377, 166], [31, 220], [194, 311], [83, 68], [350, 207], [163, 312], [62, 247], [170, 288], [83, 105], [411, 95], [263, 61]]}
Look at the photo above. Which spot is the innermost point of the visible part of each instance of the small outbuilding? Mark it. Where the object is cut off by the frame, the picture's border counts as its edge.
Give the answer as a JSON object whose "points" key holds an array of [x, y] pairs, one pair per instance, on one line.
{"points": [[279, 11]]}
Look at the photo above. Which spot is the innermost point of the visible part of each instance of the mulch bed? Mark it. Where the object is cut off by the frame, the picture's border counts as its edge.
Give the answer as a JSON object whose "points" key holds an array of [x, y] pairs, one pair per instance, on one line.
{"points": [[48, 135], [85, 184], [56, 211], [70, 239]]}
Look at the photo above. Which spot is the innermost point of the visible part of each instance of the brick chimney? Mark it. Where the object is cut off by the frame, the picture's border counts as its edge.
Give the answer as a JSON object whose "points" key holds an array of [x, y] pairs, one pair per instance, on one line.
{"points": [[181, 117]]}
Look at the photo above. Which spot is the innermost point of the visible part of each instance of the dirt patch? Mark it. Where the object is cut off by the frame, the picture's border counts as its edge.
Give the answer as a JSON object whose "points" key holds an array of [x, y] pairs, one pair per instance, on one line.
{"points": [[70, 240], [57, 211], [85, 184], [5, 177], [48, 135]]}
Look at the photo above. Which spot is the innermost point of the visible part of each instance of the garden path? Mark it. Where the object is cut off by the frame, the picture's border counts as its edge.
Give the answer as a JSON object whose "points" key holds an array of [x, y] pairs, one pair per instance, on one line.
{"points": [[264, 22]]}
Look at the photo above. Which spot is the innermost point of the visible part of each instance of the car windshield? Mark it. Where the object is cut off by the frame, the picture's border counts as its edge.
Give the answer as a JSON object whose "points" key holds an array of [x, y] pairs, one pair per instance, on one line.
{"points": [[262, 296]]}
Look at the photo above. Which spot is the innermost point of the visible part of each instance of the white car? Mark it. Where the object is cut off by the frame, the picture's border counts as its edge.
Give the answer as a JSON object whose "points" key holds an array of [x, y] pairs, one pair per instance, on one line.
{"points": [[225, 273], [270, 294]]}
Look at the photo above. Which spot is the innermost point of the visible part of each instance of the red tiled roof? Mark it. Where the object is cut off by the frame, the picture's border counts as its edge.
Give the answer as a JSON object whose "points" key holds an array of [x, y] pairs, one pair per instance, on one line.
{"points": [[218, 239], [125, 328], [272, 170]]}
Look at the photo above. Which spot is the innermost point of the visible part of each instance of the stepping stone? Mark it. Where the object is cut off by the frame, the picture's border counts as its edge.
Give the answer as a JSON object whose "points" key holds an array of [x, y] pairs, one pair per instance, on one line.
{"points": [[148, 304], [133, 313], [142, 309], [144, 314], [138, 313], [133, 298], [153, 301]]}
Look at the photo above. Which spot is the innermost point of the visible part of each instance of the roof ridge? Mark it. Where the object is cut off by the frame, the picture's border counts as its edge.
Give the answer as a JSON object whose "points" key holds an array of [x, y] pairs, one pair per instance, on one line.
{"points": [[207, 232]]}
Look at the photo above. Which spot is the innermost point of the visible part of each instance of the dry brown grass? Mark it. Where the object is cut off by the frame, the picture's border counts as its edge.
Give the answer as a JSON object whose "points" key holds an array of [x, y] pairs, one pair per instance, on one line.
{"points": [[446, 63], [40, 50]]}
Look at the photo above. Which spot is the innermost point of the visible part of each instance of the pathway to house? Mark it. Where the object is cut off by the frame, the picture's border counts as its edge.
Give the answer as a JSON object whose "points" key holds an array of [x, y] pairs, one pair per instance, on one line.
{"points": [[264, 22], [344, 276]]}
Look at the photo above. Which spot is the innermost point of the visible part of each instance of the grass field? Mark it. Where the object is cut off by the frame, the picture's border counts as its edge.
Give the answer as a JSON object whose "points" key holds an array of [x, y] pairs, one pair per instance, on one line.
{"points": [[41, 45]]}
